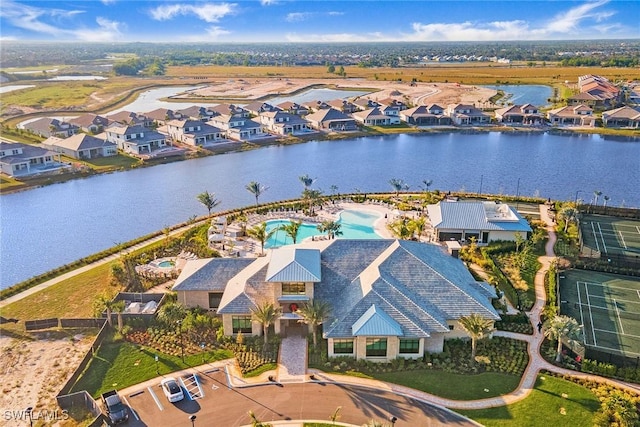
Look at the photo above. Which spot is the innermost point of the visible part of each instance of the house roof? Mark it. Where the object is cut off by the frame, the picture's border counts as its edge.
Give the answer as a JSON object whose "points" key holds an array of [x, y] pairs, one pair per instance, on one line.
{"points": [[77, 142], [291, 264], [484, 216], [328, 114], [210, 274], [625, 112], [370, 114], [375, 322], [89, 119]]}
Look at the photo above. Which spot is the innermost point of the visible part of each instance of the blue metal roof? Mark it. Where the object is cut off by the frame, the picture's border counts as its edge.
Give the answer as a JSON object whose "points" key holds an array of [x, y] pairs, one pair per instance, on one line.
{"points": [[374, 323], [292, 264]]}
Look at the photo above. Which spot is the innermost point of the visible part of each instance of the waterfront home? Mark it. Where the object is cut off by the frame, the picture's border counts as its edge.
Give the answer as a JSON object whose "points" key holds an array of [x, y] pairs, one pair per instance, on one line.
{"points": [[237, 128], [90, 123], [464, 114], [192, 132], [19, 160], [194, 112], [388, 298], [47, 127], [393, 104], [377, 117], [331, 119], [365, 103], [483, 221], [425, 115], [293, 108], [571, 115], [161, 116], [596, 92], [81, 146], [258, 107], [313, 106], [230, 110], [623, 117], [343, 105], [129, 118], [526, 114], [136, 140], [282, 123]]}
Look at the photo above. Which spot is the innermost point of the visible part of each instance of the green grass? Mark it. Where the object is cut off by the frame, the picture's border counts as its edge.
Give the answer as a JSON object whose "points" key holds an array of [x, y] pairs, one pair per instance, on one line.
{"points": [[544, 406], [392, 129], [261, 370], [122, 364], [103, 164], [454, 386]]}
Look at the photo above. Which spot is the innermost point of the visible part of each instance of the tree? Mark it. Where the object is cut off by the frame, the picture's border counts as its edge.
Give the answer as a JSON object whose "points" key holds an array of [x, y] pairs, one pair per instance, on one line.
{"points": [[606, 199], [341, 71], [311, 196], [260, 233], [617, 408], [559, 327], [426, 184], [596, 195], [256, 189], [400, 229], [519, 240], [171, 313], [568, 214], [477, 327], [104, 302], [208, 200], [265, 313], [291, 229], [118, 307], [398, 185], [307, 181], [332, 228], [331, 69], [314, 313], [255, 422], [417, 226]]}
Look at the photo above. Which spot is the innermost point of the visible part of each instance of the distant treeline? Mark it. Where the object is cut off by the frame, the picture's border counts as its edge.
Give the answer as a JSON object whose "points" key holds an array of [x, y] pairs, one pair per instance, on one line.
{"points": [[582, 61]]}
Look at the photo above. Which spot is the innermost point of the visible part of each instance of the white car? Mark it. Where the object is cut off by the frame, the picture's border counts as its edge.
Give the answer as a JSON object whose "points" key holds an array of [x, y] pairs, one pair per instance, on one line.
{"points": [[172, 389]]}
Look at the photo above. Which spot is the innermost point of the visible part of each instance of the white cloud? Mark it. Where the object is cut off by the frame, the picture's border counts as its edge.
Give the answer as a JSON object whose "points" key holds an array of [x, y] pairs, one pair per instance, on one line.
{"points": [[107, 31], [335, 13], [208, 12], [297, 16], [335, 38], [108, 2], [215, 32], [499, 30], [268, 2]]}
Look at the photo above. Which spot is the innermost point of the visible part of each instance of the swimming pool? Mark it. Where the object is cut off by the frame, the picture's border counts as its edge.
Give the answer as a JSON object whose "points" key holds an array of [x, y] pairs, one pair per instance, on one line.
{"points": [[355, 225]]}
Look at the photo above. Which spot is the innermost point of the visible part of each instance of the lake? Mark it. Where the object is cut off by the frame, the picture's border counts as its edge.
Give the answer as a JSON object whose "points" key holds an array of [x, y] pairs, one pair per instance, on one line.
{"points": [[11, 88], [46, 227], [537, 95]]}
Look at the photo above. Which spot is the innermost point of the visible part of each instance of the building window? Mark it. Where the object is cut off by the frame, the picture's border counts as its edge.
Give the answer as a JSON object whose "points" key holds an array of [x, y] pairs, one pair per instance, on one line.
{"points": [[376, 347], [214, 299], [410, 346], [293, 289], [241, 324], [451, 327], [343, 346]]}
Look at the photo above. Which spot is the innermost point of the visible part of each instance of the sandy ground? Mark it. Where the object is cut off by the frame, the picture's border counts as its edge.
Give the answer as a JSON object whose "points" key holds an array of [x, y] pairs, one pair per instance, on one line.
{"points": [[34, 371], [418, 94]]}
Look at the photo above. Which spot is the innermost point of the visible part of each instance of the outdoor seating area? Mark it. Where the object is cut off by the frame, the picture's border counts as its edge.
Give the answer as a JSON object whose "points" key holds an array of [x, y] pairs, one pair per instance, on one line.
{"points": [[161, 267]]}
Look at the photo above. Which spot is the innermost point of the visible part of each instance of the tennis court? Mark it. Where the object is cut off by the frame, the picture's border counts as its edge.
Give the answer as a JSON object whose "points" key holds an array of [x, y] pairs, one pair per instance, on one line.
{"points": [[610, 235], [608, 308]]}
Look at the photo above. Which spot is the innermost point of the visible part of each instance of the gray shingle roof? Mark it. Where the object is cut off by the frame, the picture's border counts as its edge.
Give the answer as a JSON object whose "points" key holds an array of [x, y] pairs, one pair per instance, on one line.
{"points": [[209, 274]]}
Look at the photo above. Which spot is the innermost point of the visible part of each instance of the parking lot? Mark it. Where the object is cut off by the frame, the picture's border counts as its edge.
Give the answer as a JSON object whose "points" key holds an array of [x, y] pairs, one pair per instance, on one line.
{"points": [[220, 405]]}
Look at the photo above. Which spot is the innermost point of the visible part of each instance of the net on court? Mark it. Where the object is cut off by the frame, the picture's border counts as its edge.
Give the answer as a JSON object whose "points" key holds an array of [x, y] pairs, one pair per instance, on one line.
{"points": [[606, 235], [608, 308]]}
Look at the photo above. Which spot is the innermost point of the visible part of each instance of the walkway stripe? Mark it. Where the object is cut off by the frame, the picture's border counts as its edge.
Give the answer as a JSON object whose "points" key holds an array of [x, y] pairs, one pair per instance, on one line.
{"points": [[615, 304], [155, 398]]}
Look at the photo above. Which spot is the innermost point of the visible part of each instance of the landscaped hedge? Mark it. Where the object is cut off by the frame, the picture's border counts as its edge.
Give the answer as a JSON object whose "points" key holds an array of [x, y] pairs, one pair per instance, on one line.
{"points": [[518, 323], [609, 370]]}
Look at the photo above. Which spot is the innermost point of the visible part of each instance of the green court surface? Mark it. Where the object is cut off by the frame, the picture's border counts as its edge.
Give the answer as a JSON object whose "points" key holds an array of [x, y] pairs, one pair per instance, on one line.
{"points": [[610, 235], [608, 308]]}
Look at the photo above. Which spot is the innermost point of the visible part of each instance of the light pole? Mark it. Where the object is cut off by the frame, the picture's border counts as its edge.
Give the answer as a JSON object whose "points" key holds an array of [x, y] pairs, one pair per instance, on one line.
{"points": [[202, 347], [576, 199], [192, 418], [517, 193], [157, 366], [28, 412]]}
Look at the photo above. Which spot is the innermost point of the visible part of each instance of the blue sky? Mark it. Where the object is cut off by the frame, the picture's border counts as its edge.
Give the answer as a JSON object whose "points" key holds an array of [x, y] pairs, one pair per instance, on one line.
{"points": [[317, 21]]}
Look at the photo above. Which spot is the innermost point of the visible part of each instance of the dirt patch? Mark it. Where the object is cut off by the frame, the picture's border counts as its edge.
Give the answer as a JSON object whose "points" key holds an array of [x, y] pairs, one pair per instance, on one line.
{"points": [[34, 371]]}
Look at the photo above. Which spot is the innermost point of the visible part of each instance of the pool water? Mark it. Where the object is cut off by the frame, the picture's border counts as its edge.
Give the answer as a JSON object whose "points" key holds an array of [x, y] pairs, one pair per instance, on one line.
{"points": [[166, 264], [355, 225]]}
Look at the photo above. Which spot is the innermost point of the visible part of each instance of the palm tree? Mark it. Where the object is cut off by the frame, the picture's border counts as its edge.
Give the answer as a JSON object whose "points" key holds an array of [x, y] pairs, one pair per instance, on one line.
{"points": [[398, 185], [208, 200], [291, 229], [312, 196], [596, 195], [260, 233], [119, 307], [265, 313], [314, 313], [606, 199], [427, 183], [307, 181], [400, 229], [559, 327], [418, 225], [105, 302], [568, 214], [477, 327], [332, 228], [256, 189], [171, 313]]}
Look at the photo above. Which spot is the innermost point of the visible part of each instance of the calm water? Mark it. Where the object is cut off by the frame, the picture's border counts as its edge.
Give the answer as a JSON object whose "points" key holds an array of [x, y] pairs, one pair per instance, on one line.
{"points": [[50, 226], [537, 95], [355, 225], [11, 88]]}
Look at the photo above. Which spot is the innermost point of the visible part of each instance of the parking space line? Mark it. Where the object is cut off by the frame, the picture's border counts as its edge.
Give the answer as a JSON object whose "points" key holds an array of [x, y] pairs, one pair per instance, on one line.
{"points": [[155, 398], [132, 410]]}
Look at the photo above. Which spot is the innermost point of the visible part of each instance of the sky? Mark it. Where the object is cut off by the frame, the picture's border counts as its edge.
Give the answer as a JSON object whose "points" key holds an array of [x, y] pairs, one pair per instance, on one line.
{"points": [[317, 21]]}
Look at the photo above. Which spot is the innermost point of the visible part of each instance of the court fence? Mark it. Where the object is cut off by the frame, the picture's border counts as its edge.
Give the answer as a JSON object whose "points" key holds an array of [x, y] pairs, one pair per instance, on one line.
{"points": [[618, 212], [611, 263]]}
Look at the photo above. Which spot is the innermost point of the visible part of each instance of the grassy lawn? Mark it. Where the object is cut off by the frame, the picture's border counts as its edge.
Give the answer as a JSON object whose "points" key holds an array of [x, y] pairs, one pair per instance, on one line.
{"points": [[392, 129], [454, 386], [52, 95], [70, 298], [546, 405], [103, 164], [122, 364]]}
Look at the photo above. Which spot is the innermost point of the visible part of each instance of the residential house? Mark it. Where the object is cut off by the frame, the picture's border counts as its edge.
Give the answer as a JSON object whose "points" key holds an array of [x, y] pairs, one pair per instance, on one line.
{"points": [[394, 104], [129, 118], [19, 160], [194, 113], [136, 140], [464, 114], [482, 221], [193, 132], [388, 298], [526, 114], [343, 105], [366, 103], [596, 92], [425, 115], [47, 127], [331, 119], [623, 117], [258, 107], [293, 108], [237, 127], [313, 106], [571, 115], [230, 110], [161, 116], [90, 123], [282, 123], [377, 117], [81, 146]]}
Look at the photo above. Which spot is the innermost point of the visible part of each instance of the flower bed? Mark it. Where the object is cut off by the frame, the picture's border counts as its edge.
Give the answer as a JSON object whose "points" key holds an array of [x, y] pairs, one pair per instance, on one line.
{"points": [[518, 323]]}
